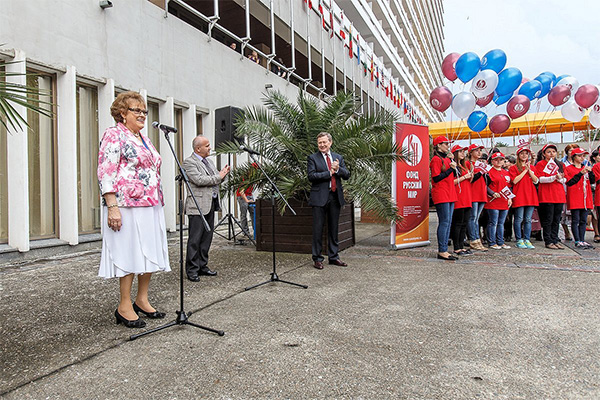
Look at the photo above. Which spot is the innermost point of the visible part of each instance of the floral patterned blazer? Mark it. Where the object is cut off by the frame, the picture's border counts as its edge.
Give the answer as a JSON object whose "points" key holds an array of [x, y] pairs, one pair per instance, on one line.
{"points": [[129, 169]]}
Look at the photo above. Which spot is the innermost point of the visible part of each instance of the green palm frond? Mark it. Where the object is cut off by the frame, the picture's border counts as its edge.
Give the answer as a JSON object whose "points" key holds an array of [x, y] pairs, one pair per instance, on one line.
{"points": [[285, 135], [13, 95]]}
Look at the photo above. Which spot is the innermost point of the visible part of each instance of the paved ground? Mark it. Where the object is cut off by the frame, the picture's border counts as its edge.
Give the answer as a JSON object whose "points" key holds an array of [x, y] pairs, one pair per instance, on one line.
{"points": [[510, 324]]}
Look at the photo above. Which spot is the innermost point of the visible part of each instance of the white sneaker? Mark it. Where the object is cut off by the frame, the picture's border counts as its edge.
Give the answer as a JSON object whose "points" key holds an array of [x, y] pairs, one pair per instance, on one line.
{"points": [[505, 246], [495, 247]]}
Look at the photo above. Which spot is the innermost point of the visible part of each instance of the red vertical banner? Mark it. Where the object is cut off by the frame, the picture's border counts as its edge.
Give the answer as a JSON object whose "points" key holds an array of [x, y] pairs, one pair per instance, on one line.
{"points": [[410, 187]]}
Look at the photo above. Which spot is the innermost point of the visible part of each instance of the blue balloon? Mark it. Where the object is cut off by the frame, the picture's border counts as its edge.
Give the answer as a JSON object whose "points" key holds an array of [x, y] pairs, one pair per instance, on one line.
{"points": [[499, 100], [551, 75], [546, 81], [477, 121], [467, 66], [494, 60], [531, 89], [508, 81]]}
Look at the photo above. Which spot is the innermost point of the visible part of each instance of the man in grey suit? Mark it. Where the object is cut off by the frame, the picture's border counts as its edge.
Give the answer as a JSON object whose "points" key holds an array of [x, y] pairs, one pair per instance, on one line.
{"points": [[204, 181], [326, 170]]}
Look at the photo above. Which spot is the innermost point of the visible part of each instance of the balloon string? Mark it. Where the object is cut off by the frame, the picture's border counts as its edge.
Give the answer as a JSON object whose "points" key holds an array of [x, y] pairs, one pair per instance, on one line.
{"points": [[544, 120]]}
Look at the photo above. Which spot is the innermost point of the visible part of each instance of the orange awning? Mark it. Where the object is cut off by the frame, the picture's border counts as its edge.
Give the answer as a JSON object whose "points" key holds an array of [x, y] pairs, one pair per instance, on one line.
{"points": [[534, 124]]}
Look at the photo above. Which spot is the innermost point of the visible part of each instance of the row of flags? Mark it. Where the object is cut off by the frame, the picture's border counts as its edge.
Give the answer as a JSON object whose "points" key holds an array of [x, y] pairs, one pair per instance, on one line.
{"points": [[382, 78]]}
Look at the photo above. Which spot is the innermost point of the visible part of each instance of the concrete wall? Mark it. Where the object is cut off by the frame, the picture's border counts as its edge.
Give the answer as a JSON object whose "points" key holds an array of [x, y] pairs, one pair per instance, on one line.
{"points": [[129, 46]]}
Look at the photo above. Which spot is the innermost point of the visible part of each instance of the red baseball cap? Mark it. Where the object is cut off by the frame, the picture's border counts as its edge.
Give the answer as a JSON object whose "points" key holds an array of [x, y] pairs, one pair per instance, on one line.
{"points": [[440, 139], [475, 147], [497, 155], [520, 149], [577, 151], [458, 147], [548, 146]]}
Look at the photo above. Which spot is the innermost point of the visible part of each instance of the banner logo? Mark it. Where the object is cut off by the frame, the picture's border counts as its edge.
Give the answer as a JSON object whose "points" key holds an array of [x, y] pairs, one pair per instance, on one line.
{"points": [[413, 145]]}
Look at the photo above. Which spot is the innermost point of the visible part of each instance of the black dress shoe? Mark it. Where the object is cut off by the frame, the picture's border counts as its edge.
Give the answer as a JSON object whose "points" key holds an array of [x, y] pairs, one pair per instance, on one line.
{"points": [[153, 315], [194, 278], [449, 258], [135, 323], [207, 272], [338, 262]]}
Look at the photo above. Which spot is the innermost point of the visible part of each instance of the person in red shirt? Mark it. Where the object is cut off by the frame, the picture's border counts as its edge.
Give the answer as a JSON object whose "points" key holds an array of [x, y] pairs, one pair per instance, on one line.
{"points": [[579, 195], [443, 171], [497, 208], [478, 197], [462, 207], [551, 195], [595, 159], [524, 180]]}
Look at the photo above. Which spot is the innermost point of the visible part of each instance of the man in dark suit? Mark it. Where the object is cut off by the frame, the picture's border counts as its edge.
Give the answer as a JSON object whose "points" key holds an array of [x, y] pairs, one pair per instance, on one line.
{"points": [[326, 171], [204, 182]]}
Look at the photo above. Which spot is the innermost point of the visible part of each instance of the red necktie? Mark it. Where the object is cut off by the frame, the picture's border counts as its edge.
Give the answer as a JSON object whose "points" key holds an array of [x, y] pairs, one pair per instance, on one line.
{"points": [[333, 187]]}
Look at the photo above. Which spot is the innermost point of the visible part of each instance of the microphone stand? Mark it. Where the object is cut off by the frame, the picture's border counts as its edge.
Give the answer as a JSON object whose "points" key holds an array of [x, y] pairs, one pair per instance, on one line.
{"points": [[275, 189], [182, 318]]}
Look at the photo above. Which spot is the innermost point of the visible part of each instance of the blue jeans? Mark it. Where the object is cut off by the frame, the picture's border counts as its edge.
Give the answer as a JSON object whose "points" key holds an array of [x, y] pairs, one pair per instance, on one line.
{"points": [[495, 227], [523, 215], [473, 224], [444, 212]]}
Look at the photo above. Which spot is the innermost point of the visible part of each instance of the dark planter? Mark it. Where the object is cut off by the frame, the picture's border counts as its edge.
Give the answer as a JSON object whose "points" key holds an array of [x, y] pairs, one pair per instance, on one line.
{"points": [[293, 233]]}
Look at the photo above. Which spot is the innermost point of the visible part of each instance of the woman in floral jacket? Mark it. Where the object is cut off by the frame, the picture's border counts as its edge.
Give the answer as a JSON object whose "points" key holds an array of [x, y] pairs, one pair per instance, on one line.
{"points": [[136, 243]]}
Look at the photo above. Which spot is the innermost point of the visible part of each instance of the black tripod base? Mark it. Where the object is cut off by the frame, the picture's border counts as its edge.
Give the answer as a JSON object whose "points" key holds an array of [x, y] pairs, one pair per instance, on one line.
{"points": [[182, 319], [275, 278]]}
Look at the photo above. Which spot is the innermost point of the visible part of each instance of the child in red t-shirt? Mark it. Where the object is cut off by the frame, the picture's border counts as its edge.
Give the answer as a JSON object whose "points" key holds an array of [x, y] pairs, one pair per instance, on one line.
{"points": [[524, 180], [579, 195], [497, 208]]}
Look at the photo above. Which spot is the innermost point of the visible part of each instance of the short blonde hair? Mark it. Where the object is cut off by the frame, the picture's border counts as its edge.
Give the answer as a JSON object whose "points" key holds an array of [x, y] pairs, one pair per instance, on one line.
{"points": [[320, 135], [121, 104]]}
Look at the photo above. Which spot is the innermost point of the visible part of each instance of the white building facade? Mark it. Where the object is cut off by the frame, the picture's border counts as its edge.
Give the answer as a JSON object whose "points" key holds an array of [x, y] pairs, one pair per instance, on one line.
{"points": [[178, 55]]}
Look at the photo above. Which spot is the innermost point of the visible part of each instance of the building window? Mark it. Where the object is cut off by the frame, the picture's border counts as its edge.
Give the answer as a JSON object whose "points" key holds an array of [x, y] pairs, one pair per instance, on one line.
{"points": [[178, 144], [3, 179], [88, 199], [41, 161], [153, 134], [199, 128]]}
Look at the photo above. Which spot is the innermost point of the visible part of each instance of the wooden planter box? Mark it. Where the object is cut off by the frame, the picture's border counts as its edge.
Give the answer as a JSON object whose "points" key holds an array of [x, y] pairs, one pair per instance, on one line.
{"points": [[293, 233]]}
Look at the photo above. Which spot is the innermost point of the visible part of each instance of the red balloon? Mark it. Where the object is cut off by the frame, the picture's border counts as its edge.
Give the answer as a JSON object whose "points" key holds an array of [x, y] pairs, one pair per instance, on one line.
{"points": [[518, 106], [448, 66], [484, 101], [586, 95], [559, 95], [440, 98], [499, 123]]}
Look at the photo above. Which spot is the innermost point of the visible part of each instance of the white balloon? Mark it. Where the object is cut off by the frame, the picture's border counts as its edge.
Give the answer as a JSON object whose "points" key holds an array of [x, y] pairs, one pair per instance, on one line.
{"points": [[463, 104], [571, 111], [484, 83], [595, 119], [571, 82]]}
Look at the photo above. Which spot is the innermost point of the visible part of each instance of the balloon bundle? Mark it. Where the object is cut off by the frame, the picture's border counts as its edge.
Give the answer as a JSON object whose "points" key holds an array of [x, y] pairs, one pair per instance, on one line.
{"points": [[491, 81]]}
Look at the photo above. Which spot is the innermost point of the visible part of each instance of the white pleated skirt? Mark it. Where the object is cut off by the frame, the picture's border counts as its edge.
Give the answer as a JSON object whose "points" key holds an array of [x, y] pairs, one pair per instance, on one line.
{"points": [[140, 247]]}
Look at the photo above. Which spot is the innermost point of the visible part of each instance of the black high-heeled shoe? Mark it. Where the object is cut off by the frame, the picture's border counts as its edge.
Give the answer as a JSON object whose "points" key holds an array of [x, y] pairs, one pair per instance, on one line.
{"points": [[136, 323], [153, 315]]}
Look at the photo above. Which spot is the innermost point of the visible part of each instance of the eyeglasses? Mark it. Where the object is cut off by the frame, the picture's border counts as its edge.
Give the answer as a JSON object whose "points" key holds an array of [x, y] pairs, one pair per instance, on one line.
{"points": [[138, 111]]}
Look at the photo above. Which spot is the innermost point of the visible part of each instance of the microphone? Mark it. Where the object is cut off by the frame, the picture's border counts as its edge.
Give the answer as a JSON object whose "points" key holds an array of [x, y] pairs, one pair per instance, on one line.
{"points": [[249, 150], [164, 128]]}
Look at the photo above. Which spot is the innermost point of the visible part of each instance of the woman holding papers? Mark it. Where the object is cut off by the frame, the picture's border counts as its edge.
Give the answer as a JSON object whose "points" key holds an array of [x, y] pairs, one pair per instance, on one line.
{"points": [[551, 195], [462, 207], [500, 201], [478, 195], [524, 180], [579, 195], [443, 171]]}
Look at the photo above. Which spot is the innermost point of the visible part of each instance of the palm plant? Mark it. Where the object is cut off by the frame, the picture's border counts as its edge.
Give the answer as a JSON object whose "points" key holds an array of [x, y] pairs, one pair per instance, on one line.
{"points": [[28, 96], [285, 135]]}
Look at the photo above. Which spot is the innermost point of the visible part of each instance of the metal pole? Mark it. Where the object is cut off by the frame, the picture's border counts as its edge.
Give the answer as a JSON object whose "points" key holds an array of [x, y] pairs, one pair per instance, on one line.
{"points": [[248, 19], [272, 28], [292, 34]]}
